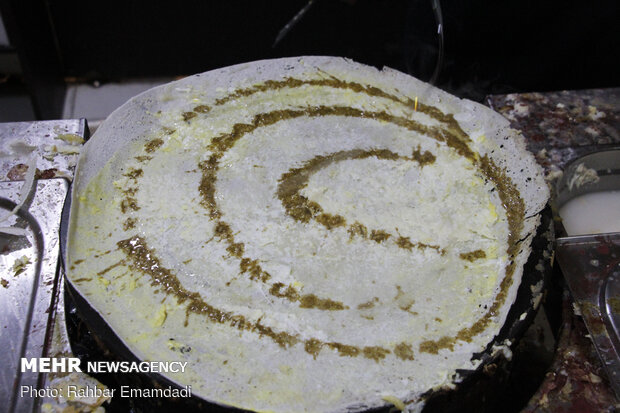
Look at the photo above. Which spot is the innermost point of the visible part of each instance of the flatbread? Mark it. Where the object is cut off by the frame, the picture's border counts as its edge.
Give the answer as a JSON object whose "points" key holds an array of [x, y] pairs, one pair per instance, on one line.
{"points": [[310, 234]]}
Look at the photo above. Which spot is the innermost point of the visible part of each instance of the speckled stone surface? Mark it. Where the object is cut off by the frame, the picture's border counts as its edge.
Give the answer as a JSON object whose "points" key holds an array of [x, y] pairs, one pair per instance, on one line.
{"points": [[556, 123], [559, 127]]}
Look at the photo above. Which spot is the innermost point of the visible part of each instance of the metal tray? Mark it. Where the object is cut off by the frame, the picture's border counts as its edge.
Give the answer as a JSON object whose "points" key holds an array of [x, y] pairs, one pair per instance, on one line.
{"points": [[26, 296], [591, 263]]}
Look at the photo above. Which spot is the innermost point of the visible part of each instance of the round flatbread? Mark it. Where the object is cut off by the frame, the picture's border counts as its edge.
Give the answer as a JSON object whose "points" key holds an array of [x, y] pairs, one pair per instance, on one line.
{"points": [[309, 234]]}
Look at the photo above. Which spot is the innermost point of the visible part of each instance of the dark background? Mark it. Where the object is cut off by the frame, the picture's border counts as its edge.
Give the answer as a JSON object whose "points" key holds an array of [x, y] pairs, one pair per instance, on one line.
{"points": [[490, 46]]}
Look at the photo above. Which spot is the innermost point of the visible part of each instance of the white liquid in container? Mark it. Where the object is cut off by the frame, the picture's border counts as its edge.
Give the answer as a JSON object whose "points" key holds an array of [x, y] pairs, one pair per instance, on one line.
{"points": [[593, 213]]}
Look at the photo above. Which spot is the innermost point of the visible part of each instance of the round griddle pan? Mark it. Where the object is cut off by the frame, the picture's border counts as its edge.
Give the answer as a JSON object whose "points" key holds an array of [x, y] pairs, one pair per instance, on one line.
{"points": [[529, 291]]}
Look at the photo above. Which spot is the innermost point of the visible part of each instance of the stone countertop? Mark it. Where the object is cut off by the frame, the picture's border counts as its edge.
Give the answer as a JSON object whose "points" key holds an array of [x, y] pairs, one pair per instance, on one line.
{"points": [[558, 127], [555, 123]]}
